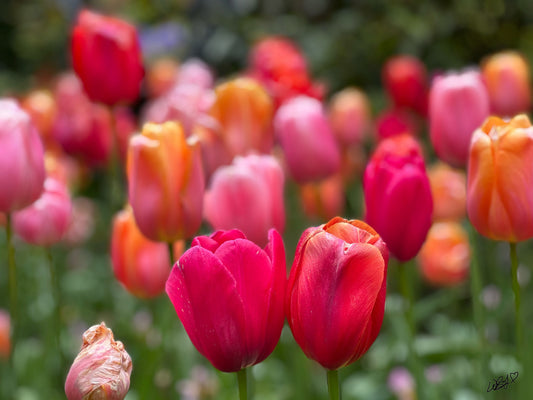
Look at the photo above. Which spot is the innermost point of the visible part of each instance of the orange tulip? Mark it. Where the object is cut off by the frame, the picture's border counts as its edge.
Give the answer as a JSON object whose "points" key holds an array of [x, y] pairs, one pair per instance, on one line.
{"points": [[166, 182], [324, 199], [500, 179], [448, 187]]}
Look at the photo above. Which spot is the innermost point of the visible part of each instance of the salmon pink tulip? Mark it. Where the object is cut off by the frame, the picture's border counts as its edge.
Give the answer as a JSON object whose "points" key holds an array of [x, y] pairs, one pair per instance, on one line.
{"points": [[349, 113], [448, 188]]}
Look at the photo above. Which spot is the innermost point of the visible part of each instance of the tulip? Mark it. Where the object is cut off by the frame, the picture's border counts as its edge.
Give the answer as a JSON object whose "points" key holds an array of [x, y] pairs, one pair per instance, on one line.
{"points": [[247, 195], [506, 75], [402, 384], [244, 110], [398, 195], [324, 199], [106, 56], [161, 76], [336, 291], [395, 122], [195, 72], [41, 106], [349, 113], [166, 182], [5, 343], [22, 161], [500, 179], [101, 370], [141, 265], [308, 143], [448, 188], [458, 105], [229, 294], [444, 259], [46, 220]]}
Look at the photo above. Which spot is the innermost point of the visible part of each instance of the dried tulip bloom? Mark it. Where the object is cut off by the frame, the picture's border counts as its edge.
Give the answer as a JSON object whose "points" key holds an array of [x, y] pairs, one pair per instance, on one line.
{"points": [[101, 370]]}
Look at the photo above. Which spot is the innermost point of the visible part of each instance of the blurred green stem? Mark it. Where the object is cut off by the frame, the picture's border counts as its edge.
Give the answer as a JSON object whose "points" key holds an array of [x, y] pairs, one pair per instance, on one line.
{"points": [[113, 166], [13, 306], [516, 291], [333, 385], [242, 379], [56, 325], [171, 252]]}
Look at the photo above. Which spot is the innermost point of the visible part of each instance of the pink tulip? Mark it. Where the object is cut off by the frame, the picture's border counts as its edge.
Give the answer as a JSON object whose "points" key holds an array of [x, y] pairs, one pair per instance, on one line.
{"points": [[398, 197], [229, 295], [307, 140], [22, 158], [458, 105], [349, 113], [247, 195], [195, 72], [395, 122], [46, 220]]}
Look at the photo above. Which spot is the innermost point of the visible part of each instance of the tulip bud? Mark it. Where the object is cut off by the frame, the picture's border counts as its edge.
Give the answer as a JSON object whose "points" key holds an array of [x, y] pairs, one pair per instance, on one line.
{"points": [[500, 179], [336, 291], [398, 195], [247, 195], [458, 105], [5, 331], [444, 259], [166, 182], [22, 160], [349, 113], [106, 56], [324, 199], [448, 188], [101, 370], [229, 294], [307, 140]]}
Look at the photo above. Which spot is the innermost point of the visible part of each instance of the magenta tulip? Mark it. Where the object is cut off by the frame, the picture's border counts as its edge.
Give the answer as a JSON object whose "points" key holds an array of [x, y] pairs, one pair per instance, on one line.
{"points": [[229, 295]]}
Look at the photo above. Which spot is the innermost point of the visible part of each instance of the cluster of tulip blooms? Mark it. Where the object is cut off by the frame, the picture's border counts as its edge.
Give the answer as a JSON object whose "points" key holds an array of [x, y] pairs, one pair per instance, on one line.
{"points": [[222, 154]]}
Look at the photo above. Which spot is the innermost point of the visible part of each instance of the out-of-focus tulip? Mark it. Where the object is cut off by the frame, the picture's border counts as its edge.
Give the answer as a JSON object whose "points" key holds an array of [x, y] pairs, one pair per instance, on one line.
{"points": [[448, 188], [22, 158], [106, 56], [41, 106], [444, 259], [101, 370], [349, 113], [195, 72], [507, 78], [5, 331], [398, 197], [308, 143], [395, 122], [161, 76], [229, 295], [402, 384], [405, 79], [141, 265], [458, 105], [324, 199], [500, 179], [46, 220], [278, 64], [166, 182], [247, 195], [336, 291], [244, 111], [214, 151]]}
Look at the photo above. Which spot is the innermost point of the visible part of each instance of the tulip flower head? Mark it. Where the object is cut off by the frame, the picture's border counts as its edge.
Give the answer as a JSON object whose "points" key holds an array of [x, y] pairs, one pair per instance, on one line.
{"points": [[448, 188], [5, 331], [336, 291], [229, 294], [349, 113], [500, 179]]}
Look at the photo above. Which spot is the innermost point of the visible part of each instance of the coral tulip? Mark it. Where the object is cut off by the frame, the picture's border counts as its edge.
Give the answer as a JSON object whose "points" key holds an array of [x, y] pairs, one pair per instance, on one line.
{"points": [[22, 161], [448, 188], [161, 76], [500, 179], [41, 106], [247, 195], [324, 199], [458, 105], [398, 197], [336, 291], [229, 295], [106, 56], [166, 182], [349, 113]]}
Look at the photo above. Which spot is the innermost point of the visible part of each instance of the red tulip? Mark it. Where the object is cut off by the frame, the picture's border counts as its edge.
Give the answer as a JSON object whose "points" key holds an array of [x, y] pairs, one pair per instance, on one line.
{"points": [[336, 291], [395, 122], [398, 197], [106, 56], [229, 294]]}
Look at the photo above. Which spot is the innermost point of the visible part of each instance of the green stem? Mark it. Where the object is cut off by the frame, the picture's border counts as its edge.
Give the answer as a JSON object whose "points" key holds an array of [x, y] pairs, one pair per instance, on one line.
{"points": [[516, 291], [56, 293], [242, 380], [13, 306], [333, 384], [171, 253]]}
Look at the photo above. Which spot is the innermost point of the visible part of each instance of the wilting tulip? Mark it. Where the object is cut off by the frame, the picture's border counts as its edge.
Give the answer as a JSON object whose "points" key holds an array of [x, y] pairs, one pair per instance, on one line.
{"points": [[229, 294], [458, 105], [22, 160], [405, 79], [444, 259], [5, 330], [244, 111], [349, 113], [448, 188], [166, 182], [308, 143], [247, 195], [141, 265], [395, 122], [398, 197], [324, 199], [106, 56], [46, 220], [500, 179], [101, 370], [336, 291], [506, 75]]}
